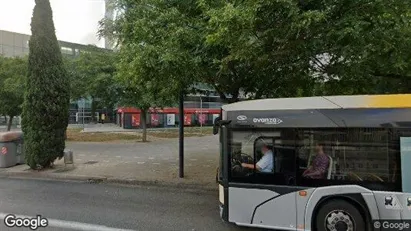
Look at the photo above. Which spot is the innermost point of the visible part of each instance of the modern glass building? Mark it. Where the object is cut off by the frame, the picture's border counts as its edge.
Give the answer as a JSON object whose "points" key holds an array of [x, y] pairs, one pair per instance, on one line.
{"points": [[15, 44]]}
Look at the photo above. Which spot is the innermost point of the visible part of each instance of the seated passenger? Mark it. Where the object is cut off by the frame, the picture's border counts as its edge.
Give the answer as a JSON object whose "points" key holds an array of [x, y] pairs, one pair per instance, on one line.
{"points": [[265, 164], [319, 166]]}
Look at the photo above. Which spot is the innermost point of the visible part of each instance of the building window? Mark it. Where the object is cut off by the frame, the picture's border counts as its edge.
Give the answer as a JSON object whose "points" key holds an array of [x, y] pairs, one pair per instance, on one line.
{"points": [[67, 50], [8, 51], [18, 51]]}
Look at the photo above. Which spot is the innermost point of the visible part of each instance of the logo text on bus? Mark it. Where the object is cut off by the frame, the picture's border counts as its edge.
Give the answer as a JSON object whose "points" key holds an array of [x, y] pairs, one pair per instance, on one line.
{"points": [[241, 117], [267, 120]]}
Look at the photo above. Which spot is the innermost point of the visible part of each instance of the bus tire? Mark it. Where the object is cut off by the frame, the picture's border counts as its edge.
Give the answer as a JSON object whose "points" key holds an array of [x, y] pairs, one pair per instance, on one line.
{"points": [[340, 214]]}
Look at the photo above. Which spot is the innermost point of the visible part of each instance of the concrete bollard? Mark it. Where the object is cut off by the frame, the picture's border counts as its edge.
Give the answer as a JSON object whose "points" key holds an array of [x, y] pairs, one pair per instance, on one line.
{"points": [[68, 157]]}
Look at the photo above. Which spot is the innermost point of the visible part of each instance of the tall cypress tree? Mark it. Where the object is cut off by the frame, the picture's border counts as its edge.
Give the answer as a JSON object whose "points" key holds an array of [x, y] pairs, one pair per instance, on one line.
{"points": [[46, 101]]}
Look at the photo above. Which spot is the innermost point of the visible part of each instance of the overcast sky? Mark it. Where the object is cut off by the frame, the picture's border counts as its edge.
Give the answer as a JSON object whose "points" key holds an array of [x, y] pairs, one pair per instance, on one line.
{"points": [[75, 20]]}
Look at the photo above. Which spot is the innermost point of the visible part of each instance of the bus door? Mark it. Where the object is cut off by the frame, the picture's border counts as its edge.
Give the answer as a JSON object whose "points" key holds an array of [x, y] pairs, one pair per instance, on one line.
{"points": [[223, 173], [396, 205], [258, 198], [405, 150]]}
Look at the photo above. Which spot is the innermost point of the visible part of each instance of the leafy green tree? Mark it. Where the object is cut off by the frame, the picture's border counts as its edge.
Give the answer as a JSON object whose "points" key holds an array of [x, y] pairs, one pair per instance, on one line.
{"points": [[223, 42], [156, 65], [92, 75], [143, 95], [358, 46], [13, 72], [167, 53], [270, 48], [46, 102]]}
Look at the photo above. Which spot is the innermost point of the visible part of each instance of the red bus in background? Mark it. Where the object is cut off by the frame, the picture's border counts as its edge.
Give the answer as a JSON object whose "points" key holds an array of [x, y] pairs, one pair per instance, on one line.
{"points": [[128, 117]]}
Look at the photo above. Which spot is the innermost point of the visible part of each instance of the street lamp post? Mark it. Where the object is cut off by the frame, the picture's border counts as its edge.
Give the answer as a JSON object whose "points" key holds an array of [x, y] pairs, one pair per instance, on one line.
{"points": [[82, 105], [181, 134], [201, 115]]}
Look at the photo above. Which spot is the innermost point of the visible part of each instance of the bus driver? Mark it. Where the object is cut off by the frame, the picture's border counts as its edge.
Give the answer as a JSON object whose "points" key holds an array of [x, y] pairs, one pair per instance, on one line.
{"points": [[265, 164]]}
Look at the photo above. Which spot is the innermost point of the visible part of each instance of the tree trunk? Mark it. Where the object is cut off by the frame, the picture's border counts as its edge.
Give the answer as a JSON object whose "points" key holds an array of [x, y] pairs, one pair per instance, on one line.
{"points": [[10, 123], [143, 117], [5, 119]]}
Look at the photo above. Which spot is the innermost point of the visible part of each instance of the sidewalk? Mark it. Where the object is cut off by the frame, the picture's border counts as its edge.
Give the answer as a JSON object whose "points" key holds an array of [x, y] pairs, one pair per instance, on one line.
{"points": [[135, 163]]}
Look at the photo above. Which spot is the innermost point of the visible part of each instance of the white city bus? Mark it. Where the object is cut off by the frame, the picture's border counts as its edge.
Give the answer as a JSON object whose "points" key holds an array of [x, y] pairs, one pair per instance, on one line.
{"points": [[366, 140]]}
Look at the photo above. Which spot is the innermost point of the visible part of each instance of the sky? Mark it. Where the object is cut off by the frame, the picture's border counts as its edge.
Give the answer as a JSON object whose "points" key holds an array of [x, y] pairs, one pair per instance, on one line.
{"points": [[75, 20]]}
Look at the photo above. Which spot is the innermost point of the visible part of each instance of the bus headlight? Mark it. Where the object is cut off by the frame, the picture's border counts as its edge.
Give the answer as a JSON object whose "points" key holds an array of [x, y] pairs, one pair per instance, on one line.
{"points": [[221, 193]]}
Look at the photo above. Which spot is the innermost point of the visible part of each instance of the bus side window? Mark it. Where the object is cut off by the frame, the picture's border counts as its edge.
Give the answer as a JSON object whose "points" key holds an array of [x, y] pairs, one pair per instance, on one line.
{"points": [[359, 156], [282, 149]]}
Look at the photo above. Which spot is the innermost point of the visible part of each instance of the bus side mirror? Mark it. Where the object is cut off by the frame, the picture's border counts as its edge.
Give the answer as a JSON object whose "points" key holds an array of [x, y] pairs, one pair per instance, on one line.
{"points": [[215, 130], [216, 125]]}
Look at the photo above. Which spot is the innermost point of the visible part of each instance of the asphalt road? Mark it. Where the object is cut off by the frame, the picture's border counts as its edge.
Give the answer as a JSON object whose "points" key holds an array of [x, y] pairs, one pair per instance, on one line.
{"points": [[110, 207]]}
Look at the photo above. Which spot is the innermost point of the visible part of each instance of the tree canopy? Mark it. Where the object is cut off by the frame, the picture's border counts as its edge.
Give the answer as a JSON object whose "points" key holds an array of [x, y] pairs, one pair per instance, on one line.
{"points": [[92, 74], [13, 73], [268, 48]]}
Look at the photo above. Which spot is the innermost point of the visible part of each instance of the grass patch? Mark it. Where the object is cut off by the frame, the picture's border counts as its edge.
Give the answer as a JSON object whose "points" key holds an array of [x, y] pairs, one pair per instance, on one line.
{"points": [[188, 132], [75, 134]]}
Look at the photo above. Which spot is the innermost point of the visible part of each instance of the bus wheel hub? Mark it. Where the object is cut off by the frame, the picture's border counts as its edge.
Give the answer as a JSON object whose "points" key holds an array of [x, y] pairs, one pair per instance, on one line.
{"points": [[339, 221]]}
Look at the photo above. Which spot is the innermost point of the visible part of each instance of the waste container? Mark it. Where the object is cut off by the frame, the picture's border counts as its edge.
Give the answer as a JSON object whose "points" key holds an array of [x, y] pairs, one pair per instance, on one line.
{"points": [[19, 141], [11, 149]]}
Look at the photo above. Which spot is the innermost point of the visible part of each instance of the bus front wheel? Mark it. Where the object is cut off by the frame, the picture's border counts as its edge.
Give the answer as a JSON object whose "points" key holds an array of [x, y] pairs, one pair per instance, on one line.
{"points": [[339, 215]]}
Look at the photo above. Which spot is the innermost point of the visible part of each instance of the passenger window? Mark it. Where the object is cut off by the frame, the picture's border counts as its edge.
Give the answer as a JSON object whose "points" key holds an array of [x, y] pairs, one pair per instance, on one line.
{"points": [[345, 156]]}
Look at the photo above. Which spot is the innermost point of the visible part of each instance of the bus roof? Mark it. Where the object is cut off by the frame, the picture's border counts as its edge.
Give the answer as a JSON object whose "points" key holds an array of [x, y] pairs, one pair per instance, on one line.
{"points": [[323, 102]]}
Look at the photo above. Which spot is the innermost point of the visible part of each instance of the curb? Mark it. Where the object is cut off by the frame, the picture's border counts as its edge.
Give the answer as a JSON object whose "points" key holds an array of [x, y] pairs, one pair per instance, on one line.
{"points": [[160, 183], [105, 180], [40, 175]]}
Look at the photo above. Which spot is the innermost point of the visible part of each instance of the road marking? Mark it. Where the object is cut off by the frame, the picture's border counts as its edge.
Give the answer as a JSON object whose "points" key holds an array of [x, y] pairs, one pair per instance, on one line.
{"points": [[106, 161], [141, 162], [193, 159], [70, 224], [78, 159], [151, 158], [156, 163], [118, 156], [136, 157]]}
